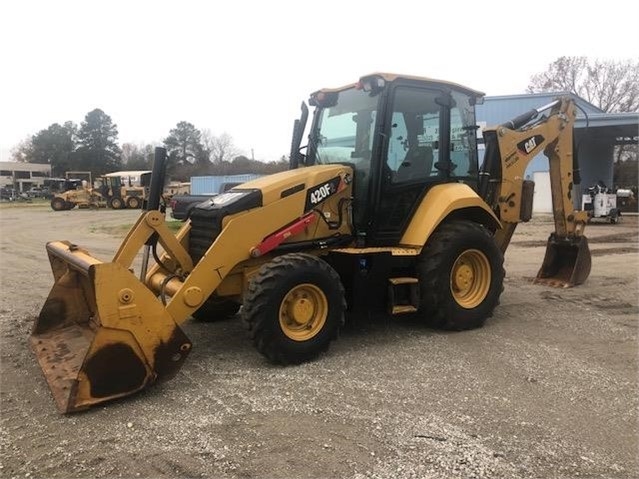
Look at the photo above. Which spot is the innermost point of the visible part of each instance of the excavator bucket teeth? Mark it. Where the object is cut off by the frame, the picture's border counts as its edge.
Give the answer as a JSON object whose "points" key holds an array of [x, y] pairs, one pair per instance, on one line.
{"points": [[101, 333], [567, 262]]}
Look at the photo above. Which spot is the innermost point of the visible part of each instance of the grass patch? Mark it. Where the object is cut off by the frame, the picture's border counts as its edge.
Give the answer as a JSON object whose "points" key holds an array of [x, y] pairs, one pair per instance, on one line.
{"points": [[123, 229], [175, 225], [36, 202]]}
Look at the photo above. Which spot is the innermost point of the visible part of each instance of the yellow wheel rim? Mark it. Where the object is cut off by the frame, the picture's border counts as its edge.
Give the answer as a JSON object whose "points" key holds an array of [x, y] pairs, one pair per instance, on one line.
{"points": [[303, 312], [470, 278]]}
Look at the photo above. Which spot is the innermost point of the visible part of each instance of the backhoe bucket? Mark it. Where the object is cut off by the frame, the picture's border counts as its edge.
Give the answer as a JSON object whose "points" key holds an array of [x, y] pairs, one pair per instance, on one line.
{"points": [[567, 262], [102, 334]]}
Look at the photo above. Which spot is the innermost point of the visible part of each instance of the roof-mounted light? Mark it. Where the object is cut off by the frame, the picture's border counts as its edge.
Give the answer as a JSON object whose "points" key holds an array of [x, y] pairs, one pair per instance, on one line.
{"points": [[323, 99], [372, 84]]}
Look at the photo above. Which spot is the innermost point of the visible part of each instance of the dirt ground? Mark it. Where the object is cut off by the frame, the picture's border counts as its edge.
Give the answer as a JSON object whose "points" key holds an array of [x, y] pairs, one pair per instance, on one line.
{"points": [[547, 389]]}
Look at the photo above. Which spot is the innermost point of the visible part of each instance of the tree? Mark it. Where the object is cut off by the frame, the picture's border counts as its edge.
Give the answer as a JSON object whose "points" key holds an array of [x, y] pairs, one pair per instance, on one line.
{"points": [[185, 150], [137, 157], [54, 145], [242, 165], [276, 166], [626, 173], [184, 143], [22, 152], [613, 86], [219, 148], [98, 150]]}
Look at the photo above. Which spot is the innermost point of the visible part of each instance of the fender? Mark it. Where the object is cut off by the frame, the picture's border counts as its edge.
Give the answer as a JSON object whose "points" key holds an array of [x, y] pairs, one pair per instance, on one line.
{"points": [[440, 202]]}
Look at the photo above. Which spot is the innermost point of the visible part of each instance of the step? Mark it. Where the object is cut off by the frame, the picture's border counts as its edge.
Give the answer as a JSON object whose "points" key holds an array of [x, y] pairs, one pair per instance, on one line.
{"points": [[403, 295], [403, 309]]}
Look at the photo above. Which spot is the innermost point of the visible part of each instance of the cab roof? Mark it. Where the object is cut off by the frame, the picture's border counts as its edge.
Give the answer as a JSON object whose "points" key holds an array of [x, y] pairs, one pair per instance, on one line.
{"points": [[128, 173], [391, 77]]}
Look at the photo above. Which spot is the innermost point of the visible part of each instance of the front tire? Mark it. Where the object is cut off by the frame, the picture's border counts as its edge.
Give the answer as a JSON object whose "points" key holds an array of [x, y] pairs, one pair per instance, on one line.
{"points": [[461, 276], [294, 308], [58, 204], [116, 203]]}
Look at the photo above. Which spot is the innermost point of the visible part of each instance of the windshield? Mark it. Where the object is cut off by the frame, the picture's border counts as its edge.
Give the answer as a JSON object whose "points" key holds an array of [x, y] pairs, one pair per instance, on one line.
{"points": [[344, 134], [344, 131]]}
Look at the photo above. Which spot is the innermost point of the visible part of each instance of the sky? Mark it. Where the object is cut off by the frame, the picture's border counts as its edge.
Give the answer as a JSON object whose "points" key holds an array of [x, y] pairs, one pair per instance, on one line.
{"points": [[244, 67]]}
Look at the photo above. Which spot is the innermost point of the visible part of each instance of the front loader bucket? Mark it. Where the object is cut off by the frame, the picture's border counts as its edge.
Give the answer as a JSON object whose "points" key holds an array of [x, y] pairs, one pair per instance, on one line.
{"points": [[567, 262], [102, 334]]}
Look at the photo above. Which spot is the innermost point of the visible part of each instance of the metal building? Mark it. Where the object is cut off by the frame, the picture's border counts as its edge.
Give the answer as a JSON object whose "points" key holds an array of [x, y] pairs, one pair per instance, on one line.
{"points": [[596, 135], [22, 176]]}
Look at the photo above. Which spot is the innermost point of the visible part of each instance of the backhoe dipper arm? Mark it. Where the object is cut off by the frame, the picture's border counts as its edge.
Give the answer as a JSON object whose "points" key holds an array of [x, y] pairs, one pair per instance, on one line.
{"points": [[510, 148]]}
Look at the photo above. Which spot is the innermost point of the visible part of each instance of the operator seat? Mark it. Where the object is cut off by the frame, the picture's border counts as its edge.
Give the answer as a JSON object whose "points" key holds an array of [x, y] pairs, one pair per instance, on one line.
{"points": [[417, 164]]}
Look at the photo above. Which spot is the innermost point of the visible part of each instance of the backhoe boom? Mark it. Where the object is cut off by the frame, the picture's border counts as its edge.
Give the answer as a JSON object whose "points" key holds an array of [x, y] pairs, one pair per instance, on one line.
{"points": [[510, 148]]}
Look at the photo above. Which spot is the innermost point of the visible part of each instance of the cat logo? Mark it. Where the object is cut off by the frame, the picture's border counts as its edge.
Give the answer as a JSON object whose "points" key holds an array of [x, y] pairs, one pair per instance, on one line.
{"points": [[530, 144]]}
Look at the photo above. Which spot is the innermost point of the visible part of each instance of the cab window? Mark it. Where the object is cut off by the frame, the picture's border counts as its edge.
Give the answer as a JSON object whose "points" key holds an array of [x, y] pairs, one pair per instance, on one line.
{"points": [[463, 139], [413, 146]]}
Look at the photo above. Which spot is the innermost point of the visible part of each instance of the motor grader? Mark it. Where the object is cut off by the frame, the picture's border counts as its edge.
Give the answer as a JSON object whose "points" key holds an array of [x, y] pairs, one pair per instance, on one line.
{"points": [[109, 191], [78, 193], [386, 208]]}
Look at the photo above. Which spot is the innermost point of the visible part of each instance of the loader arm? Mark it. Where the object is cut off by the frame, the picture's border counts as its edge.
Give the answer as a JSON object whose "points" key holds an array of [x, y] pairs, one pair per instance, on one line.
{"points": [[510, 148], [103, 333], [234, 244]]}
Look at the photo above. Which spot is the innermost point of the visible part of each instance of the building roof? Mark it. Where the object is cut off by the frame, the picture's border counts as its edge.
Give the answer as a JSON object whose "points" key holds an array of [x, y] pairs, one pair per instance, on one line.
{"points": [[546, 97], [499, 109], [20, 166], [610, 119]]}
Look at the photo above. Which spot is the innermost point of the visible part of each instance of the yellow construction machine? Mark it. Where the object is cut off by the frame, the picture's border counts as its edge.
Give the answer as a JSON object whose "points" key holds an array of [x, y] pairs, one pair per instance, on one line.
{"points": [[77, 192], [385, 209], [125, 189]]}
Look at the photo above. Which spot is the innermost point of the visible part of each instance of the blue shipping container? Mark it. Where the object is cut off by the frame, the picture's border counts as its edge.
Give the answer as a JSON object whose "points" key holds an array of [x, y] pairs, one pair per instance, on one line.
{"points": [[210, 185]]}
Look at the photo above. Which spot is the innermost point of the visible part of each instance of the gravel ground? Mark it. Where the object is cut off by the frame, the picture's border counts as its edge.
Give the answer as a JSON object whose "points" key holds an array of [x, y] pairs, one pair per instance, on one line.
{"points": [[547, 389]]}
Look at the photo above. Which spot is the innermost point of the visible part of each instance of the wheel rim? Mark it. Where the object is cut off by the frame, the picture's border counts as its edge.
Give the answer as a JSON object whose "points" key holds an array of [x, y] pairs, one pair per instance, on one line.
{"points": [[303, 312], [117, 204], [133, 203], [470, 278]]}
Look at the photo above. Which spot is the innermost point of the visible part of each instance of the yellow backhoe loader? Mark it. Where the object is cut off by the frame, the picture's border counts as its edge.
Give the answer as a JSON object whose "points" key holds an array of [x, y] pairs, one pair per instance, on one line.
{"points": [[386, 209], [125, 189]]}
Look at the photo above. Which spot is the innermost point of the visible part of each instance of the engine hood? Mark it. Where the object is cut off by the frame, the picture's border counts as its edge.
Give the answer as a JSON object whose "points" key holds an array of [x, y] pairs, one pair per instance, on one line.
{"points": [[280, 185], [313, 184]]}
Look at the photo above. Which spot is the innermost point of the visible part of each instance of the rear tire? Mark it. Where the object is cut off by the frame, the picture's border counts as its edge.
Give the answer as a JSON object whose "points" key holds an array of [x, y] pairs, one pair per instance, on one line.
{"points": [[116, 203], [216, 309], [133, 202], [294, 308], [58, 204], [461, 276], [614, 217]]}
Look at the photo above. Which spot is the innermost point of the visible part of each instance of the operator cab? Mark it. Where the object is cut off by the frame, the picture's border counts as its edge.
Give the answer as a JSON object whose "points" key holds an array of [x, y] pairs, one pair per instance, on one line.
{"points": [[401, 135]]}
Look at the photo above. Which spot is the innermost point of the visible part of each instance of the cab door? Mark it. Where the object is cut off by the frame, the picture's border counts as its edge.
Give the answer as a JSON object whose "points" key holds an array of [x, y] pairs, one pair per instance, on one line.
{"points": [[415, 146]]}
